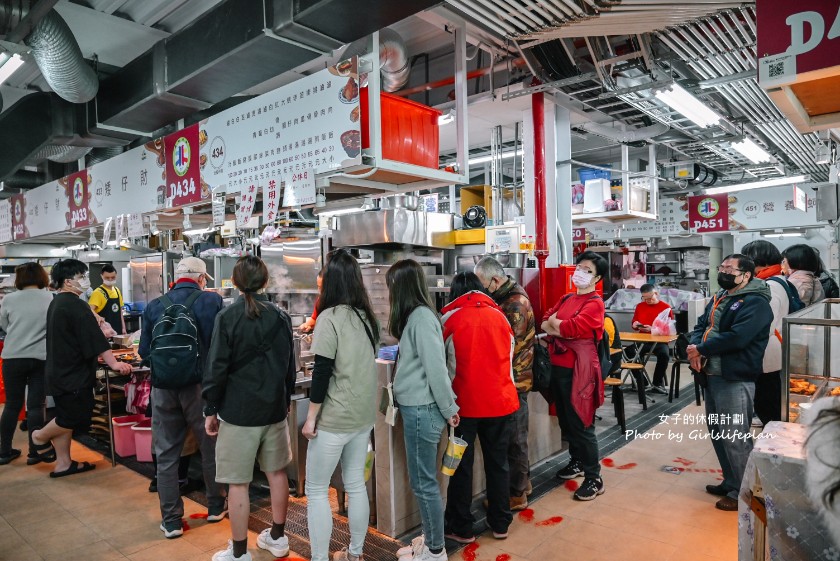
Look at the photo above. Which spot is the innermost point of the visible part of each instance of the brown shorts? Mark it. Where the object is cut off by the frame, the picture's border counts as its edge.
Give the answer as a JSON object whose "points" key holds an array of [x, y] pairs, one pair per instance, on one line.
{"points": [[237, 448]]}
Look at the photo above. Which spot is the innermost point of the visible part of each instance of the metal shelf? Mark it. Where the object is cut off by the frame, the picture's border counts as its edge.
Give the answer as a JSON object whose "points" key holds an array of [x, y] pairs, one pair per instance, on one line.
{"points": [[613, 216]]}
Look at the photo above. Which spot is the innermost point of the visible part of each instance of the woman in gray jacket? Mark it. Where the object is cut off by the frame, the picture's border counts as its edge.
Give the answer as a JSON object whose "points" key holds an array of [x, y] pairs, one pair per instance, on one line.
{"points": [[423, 391]]}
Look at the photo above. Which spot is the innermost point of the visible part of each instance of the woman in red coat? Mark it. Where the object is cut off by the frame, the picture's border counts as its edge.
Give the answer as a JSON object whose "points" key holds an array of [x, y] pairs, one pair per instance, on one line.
{"points": [[573, 325], [479, 343]]}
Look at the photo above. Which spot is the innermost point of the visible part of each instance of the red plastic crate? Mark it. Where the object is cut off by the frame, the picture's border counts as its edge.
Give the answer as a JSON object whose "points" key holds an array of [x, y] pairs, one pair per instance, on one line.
{"points": [[409, 130]]}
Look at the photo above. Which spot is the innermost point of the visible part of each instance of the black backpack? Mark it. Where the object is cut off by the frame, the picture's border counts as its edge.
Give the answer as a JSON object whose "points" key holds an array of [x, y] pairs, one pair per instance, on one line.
{"points": [[174, 351], [830, 287]]}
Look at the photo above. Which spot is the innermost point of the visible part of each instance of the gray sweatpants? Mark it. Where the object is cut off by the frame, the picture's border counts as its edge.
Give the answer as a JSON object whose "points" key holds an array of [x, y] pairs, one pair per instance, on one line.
{"points": [[173, 413]]}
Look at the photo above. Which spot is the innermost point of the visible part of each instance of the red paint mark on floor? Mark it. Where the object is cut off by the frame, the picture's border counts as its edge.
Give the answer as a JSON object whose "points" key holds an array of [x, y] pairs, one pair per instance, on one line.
{"points": [[553, 521], [503, 557], [631, 465], [290, 559], [527, 515], [199, 516], [185, 525], [571, 485], [470, 552], [684, 462], [608, 462]]}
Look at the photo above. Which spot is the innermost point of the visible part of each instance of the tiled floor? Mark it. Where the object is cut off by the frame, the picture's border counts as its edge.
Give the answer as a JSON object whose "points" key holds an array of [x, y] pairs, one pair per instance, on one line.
{"points": [[646, 514]]}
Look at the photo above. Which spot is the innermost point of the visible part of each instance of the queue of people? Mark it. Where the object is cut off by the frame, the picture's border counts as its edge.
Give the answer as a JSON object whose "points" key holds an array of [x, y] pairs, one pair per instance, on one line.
{"points": [[226, 376]]}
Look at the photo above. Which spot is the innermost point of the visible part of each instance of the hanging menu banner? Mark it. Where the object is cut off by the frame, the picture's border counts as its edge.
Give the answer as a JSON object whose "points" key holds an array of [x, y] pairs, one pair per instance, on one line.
{"points": [[313, 123], [135, 225], [271, 201], [79, 214], [5, 221], [183, 172], [219, 210], [19, 231], [246, 205], [134, 180], [300, 189]]}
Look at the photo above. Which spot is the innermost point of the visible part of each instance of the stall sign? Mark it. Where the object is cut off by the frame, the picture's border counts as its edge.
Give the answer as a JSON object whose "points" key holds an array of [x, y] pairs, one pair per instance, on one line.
{"points": [[5, 221], [135, 225], [312, 123], [132, 181], [121, 227], [429, 203], [248, 199], [19, 231], [578, 235], [795, 38], [800, 199], [708, 213], [107, 230], [79, 213], [183, 176], [300, 189], [271, 200], [219, 210]]}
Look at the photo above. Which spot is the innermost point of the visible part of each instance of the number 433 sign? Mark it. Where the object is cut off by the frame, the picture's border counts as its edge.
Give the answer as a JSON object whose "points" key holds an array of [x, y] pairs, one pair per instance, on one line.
{"points": [[708, 213]]}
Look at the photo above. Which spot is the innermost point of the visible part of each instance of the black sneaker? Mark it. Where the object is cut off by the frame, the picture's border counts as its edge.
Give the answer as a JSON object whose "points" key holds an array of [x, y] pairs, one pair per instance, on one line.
{"points": [[7, 458], [717, 490], [589, 489], [153, 485], [573, 469]]}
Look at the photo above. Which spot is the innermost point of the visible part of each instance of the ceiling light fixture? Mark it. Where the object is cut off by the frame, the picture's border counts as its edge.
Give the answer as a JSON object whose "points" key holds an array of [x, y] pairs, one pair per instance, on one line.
{"points": [[10, 67], [489, 157], [683, 102], [446, 118], [783, 235], [757, 184], [752, 151]]}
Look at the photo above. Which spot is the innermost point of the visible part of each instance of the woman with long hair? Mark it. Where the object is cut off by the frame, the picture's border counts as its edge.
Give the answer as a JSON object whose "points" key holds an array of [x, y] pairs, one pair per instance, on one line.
{"points": [[801, 265], [480, 344], [247, 387], [423, 392], [574, 324], [342, 403], [23, 317]]}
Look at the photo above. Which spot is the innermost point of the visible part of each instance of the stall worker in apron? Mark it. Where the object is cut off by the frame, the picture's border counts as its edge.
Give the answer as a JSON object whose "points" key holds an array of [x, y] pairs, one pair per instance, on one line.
{"points": [[106, 301]]}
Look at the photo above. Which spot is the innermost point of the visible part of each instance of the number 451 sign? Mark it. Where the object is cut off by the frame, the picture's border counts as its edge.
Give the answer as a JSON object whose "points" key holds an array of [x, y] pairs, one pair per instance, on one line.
{"points": [[708, 213]]}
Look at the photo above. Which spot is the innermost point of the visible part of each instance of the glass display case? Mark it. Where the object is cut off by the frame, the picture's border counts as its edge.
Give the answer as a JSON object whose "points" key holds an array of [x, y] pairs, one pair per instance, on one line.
{"points": [[810, 356]]}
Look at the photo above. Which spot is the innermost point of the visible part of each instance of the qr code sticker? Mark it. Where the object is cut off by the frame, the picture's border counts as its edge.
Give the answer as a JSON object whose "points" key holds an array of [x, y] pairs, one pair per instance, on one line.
{"points": [[776, 69]]}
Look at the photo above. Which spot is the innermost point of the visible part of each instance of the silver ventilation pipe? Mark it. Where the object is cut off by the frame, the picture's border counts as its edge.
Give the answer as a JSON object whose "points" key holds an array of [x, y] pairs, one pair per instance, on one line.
{"points": [[60, 59], [99, 155], [393, 57], [60, 153], [632, 135]]}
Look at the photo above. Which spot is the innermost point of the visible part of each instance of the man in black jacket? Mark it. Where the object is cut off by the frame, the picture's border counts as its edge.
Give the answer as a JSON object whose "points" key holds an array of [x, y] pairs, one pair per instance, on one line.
{"points": [[728, 345]]}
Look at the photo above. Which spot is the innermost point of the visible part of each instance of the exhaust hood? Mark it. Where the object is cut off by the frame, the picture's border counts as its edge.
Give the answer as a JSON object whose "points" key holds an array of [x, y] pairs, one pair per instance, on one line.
{"points": [[393, 229]]}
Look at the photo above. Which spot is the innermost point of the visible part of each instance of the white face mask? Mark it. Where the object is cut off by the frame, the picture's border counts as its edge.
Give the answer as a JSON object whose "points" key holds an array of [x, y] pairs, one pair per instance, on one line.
{"points": [[582, 279], [109, 283], [80, 285]]}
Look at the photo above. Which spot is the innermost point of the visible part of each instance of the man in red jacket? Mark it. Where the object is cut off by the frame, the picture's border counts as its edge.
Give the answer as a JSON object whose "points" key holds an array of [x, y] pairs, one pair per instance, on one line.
{"points": [[646, 311]]}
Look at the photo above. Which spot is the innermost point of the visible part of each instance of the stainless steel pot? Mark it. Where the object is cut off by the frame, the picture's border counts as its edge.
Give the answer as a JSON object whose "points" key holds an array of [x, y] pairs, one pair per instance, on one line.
{"points": [[408, 202], [701, 274]]}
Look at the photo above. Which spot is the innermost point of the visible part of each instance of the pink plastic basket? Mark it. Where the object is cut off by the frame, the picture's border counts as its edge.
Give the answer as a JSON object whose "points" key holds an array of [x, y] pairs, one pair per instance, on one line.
{"points": [[143, 440], [123, 436]]}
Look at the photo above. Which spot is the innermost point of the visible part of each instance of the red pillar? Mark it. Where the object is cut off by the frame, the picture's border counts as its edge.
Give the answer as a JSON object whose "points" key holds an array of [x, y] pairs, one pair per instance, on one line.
{"points": [[541, 250]]}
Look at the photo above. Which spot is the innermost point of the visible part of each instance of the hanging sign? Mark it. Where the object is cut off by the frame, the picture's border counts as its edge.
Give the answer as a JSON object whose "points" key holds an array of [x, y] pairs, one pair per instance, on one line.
{"points": [[106, 231], [708, 213], [135, 225], [219, 210], [271, 201], [578, 235], [120, 233], [183, 176], [246, 205], [79, 214], [19, 231], [800, 199], [5, 221], [300, 189]]}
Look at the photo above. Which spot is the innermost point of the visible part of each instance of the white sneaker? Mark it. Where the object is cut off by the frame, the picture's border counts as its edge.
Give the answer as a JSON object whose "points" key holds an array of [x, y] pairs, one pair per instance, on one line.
{"points": [[278, 547], [425, 555], [415, 546], [227, 554]]}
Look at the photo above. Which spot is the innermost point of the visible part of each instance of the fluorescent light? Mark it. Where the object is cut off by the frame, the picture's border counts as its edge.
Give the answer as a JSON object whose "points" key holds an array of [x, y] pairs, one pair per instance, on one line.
{"points": [[198, 232], [339, 211], [75, 247], [752, 151], [10, 67], [788, 235], [487, 158], [757, 184], [446, 118], [683, 102]]}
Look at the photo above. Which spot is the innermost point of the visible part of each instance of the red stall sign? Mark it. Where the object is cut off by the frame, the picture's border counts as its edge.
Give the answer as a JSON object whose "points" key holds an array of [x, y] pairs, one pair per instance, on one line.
{"points": [[708, 213], [183, 175], [19, 231], [809, 30], [76, 188], [578, 235]]}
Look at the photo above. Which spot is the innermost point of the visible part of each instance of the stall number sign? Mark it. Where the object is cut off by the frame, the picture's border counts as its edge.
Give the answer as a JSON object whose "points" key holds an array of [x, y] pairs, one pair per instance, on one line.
{"points": [[182, 167], [708, 213], [578, 235]]}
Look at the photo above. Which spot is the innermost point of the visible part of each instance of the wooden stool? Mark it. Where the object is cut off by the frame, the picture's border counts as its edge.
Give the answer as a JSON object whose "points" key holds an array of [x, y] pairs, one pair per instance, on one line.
{"points": [[637, 370], [618, 401]]}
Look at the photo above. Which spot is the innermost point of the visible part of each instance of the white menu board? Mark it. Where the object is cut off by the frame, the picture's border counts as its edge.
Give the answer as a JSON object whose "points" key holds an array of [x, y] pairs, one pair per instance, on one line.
{"points": [[5, 221], [135, 225], [311, 123], [134, 181], [300, 189]]}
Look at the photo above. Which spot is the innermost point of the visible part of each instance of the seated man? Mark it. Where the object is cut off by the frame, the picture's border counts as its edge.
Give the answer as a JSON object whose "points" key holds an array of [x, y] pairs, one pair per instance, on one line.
{"points": [[646, 311]]}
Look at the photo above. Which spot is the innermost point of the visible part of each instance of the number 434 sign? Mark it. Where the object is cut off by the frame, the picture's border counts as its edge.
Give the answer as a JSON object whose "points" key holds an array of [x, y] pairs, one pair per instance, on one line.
{"points": [[708, 213]]}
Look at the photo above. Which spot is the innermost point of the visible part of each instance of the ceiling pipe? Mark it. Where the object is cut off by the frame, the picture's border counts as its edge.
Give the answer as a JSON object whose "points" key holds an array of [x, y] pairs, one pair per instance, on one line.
{"points": [[540, 218], [504, 65], [393, 57], [624, 137], [59, 153], [57, 54]]}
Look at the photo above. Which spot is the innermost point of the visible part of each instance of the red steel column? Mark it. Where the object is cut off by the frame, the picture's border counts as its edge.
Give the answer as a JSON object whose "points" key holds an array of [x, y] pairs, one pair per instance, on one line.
{"points": [[541, 250]]}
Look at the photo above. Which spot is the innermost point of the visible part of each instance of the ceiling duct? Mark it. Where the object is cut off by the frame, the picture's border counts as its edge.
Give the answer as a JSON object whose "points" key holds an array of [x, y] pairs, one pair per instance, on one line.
{"points": [[553, 59], [393, 57], [12, 13], [99, 155], [60, 59], [60, 153], [24, 180], [628, 136]]}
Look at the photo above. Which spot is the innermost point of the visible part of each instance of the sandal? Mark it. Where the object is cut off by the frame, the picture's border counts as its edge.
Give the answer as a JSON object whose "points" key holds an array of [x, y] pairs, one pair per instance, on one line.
{"points": [[75, 467]]}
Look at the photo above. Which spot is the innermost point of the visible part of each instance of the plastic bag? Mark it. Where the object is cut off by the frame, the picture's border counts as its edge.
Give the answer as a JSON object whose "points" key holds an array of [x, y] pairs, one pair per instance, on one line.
{"points": [[663, 324], [369, 461], [107, 330]]}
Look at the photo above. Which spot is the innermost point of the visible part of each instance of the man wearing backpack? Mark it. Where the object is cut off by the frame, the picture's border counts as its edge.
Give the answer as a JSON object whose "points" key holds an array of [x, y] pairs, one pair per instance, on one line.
{"points": [[175, 338], [784, 299]]}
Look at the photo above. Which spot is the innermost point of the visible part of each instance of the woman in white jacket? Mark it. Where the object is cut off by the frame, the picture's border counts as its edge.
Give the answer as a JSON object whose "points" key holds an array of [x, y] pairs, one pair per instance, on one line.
{"points": [[768, 386], [800, 264]]}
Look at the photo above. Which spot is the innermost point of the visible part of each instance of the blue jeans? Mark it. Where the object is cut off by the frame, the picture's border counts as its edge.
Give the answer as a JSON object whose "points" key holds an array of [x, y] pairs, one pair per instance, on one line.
{"points": [[422, 428], [734, 401], [323, 454]]}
